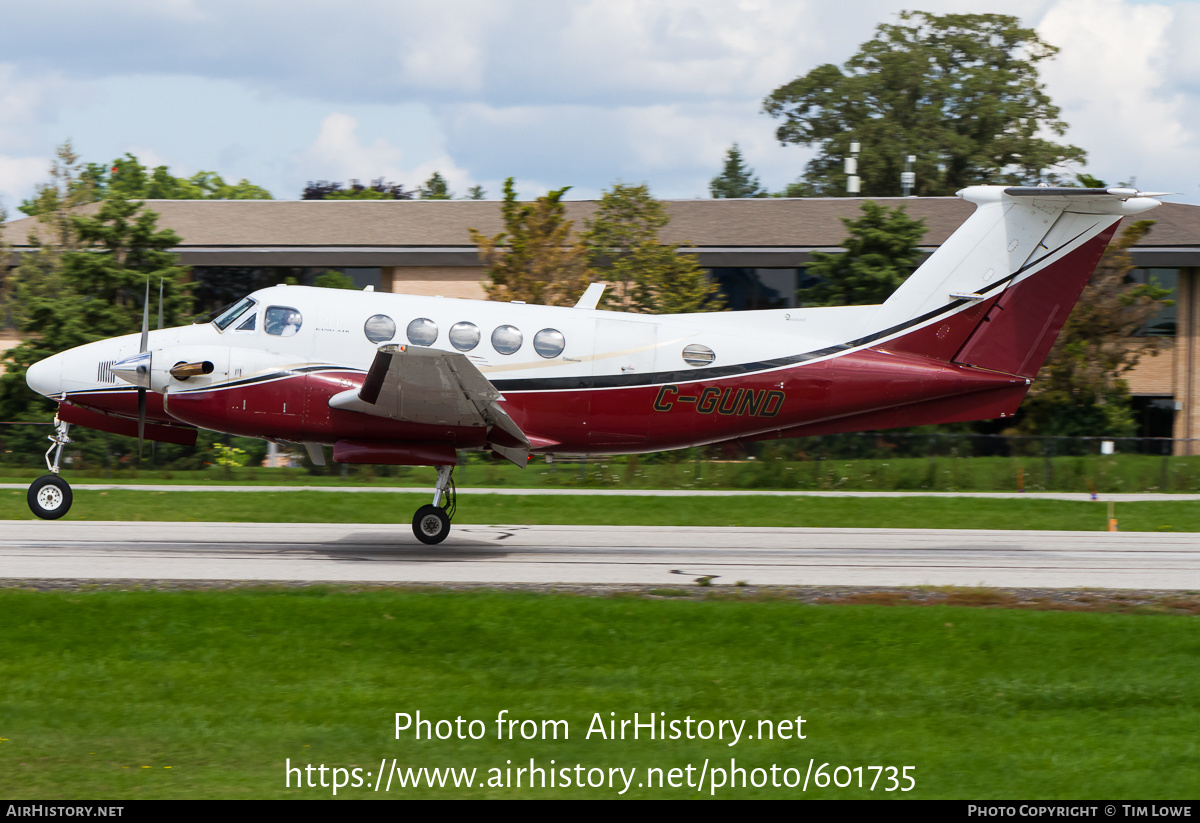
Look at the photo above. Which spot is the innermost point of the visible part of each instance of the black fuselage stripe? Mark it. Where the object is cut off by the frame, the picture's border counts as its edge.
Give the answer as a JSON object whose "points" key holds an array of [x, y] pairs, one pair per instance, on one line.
{"points": [[659, 378]]}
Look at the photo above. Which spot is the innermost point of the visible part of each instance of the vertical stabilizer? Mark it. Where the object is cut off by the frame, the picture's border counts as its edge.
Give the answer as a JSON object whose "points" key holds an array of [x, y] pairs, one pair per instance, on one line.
{"points": [[997, 293]]}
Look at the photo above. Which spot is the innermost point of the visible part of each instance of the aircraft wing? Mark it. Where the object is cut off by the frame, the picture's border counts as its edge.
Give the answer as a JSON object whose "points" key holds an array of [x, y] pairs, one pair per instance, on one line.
{"points": [[419, 385]]}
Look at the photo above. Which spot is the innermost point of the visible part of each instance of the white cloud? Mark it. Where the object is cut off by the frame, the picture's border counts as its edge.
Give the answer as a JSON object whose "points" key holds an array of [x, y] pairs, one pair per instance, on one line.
{"points": [[18, 178], [1112, 80], [582, 92], [339, 154]]}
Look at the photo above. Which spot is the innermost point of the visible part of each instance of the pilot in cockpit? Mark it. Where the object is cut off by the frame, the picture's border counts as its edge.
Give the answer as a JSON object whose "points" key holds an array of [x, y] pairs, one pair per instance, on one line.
{"points": [[282, 321]]}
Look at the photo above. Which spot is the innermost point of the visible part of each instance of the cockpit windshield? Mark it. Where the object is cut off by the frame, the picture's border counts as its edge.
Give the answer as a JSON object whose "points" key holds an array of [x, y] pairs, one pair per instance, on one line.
{"points": [[234, 313]]}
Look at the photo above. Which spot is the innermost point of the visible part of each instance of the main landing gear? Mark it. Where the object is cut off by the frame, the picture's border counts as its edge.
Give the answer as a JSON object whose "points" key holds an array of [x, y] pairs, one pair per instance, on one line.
{"points": [[50, 496], [431, 523]]}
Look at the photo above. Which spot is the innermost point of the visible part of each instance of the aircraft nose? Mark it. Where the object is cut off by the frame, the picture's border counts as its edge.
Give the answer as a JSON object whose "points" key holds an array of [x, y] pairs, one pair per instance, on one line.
{"points": [[45, 376]]}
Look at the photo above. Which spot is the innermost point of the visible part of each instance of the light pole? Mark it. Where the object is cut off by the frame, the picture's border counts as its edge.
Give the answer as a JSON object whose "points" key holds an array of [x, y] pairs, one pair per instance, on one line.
{"points": [[853, 183], [908, 177]]}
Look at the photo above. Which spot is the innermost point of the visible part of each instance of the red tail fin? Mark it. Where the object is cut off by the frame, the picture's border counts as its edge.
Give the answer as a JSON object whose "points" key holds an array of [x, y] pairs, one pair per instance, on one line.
{"points": [[1020, 327]]}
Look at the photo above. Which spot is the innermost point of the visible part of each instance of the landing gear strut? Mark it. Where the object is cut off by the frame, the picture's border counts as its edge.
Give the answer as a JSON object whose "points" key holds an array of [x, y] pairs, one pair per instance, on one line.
{"points": [[50, 496], [431, 524]]}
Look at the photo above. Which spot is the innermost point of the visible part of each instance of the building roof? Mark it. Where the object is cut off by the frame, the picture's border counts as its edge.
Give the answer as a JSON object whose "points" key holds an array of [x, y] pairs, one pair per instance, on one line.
{"points": [[767, 231]]}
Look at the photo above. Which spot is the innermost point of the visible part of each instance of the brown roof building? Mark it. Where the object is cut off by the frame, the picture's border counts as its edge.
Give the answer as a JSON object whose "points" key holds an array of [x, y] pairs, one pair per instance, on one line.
{"points": [[757, 249]]}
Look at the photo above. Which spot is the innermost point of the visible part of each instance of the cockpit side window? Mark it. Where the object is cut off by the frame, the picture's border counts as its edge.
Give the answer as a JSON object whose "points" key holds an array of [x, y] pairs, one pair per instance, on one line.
{"points": [[282, 321], [222, 322], [248, 323]]}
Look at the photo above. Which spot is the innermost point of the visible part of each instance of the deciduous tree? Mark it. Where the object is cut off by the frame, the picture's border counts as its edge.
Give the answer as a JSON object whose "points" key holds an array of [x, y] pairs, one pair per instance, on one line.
{"points": [[960, 92], [378, 190], [535, 258], [127, 179], [333, 279]]}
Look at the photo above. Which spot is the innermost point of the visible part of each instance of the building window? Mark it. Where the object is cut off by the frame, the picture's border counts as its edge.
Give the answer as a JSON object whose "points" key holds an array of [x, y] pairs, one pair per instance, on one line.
{"points": [[1162, 324], [748, 289]]}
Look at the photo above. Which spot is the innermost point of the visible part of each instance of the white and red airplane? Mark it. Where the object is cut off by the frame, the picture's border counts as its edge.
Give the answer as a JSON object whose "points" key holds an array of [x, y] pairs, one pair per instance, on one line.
{"points": [[404, 380]]}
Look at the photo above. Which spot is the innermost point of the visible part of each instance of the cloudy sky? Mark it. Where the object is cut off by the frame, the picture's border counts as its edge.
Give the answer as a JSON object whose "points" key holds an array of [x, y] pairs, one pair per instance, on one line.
{"points": [[552, 92]]}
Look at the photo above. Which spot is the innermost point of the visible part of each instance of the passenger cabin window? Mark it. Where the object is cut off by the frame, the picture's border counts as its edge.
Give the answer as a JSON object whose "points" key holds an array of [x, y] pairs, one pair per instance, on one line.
{"points": [[379, 328], [507, 339], [422, 332], [464, 336], [282, 321], [549, 342], [697, 355], [237, 310]]}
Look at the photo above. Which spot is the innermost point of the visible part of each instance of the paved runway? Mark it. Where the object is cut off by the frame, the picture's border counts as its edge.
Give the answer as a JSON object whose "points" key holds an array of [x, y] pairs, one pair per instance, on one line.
{"points": [[1131, 497], [586, 554]]}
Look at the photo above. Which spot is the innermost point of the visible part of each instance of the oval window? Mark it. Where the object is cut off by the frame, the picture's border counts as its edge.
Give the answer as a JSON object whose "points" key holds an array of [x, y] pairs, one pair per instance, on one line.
{"points": [[464, 336], [422, 332], [281, 321], [507, 339], [549, 342], [697, 355], [380, 328]]}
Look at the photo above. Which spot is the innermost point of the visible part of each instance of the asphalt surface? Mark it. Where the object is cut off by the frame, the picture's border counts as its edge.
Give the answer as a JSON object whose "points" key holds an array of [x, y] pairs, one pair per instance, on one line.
{"points": [[598, 555], [1131, 497]]}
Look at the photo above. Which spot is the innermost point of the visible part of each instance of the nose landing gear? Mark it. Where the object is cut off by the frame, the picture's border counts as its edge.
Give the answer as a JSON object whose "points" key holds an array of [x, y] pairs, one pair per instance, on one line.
{"points": [[50, 496], [431, 524]]}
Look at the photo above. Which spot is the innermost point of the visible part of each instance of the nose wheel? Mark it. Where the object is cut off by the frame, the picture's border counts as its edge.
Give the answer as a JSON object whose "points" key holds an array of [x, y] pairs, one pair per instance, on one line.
{"points": [[431, 523], [50, 496]]}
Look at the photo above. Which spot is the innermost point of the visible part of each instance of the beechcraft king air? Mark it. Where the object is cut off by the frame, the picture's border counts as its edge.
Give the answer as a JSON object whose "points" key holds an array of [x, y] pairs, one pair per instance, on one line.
{"points": [[397, 379]]}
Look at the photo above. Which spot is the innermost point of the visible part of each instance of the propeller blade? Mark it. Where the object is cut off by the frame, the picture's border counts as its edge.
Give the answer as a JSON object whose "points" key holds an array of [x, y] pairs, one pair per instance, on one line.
{"points": [[141, 420], [145, 345], [160, 305]]}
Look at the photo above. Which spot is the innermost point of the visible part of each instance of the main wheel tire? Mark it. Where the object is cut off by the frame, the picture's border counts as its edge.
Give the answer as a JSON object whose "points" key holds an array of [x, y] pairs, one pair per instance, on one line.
{"points": [[49, 497], [431, 524]]}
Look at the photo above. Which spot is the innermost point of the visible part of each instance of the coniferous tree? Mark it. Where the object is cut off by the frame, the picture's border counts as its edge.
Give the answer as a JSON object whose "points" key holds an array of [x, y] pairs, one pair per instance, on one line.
{"points": [[736, 178], [646, 274], [881, 252], [436, 188], [83, 279]]}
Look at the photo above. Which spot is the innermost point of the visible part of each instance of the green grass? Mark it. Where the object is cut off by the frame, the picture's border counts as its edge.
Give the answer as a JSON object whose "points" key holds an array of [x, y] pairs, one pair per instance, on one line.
{"points": [[204, 694], [843, 512], [679, 470]]}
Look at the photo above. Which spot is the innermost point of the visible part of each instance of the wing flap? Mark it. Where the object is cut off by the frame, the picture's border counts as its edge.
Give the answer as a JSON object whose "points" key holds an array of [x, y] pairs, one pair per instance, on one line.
{"points": [[421, 385]]}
